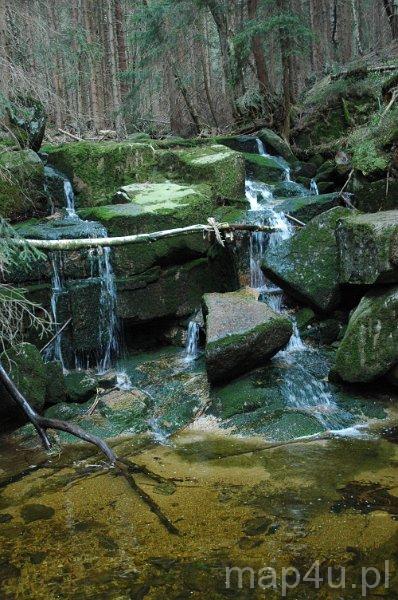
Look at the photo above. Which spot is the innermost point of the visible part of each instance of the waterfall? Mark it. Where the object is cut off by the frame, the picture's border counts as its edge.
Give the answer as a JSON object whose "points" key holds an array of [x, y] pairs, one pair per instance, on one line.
{"points": [[70, 199], [54, 351], [314, 188], [109, 320], [287, 174], [192, 344], [100, 268], [261, 148]]}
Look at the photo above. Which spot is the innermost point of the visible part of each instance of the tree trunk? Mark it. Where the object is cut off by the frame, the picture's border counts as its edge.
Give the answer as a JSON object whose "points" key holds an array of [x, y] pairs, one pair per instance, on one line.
{"points": [[286, 75], [391, 8], [4, 66], [120, 127], [121, 46], [92, 78], [356, 30], [258, 54]]}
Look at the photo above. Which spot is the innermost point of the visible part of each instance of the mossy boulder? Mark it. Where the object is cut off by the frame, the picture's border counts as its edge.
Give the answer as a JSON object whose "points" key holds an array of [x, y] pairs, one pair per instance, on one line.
{"points": [[26, 120], [240, 143], [370, 345], [368, 248], [242, 334], [274, 144], [290, 189], [21, 185], [372, 196], [308, 207], [306, 265], [264, 168], [80, 386], [218, 166], [98, 169], [56, 388], [26, 368]]}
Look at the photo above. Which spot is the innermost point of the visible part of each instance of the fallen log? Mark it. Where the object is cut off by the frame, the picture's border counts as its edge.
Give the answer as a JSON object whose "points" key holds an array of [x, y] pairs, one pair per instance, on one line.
{"points": [[76, 244]]}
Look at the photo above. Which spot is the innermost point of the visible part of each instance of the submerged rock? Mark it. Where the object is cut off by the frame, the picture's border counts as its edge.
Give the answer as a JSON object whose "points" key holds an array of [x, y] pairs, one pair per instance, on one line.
{"points": [[306, 265], [370, 346], [368, 248], [242, 334]]}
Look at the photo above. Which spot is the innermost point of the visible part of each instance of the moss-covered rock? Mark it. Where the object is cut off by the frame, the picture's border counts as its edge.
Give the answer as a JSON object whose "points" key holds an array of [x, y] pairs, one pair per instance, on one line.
{"points": [[242, 334], [372, 196], [306, 265], [368, 248], [274, 144], [80, 386], [264, 168], [218, 166], [56, 388], [308, 207], [21, 185], [175, 291], [98, 169], [370, 345], [27, 121], [26, 368]]}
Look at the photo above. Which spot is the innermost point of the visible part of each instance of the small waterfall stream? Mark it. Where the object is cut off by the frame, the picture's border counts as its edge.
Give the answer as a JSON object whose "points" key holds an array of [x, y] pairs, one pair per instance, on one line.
{"points": [[192, 343], [314, 188], [101, 267], [301, 389]]}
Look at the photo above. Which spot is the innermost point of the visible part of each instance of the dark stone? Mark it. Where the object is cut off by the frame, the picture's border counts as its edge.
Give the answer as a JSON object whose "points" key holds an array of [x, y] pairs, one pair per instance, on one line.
{"points": [[36, 512]]}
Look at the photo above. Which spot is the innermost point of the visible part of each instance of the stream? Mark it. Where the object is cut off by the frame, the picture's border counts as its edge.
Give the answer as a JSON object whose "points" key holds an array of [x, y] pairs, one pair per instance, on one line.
{"points": [[278, 469]]}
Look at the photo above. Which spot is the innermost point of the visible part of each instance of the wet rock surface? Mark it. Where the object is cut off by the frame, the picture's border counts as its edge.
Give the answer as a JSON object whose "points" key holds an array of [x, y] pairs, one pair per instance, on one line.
{"points": [[369, 348], [368, 248], [306, 265], [242, 333]]}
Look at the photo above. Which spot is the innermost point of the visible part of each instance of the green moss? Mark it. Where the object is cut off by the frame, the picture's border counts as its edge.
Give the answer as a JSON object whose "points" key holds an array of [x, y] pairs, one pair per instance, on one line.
{"points": [[99, 169], [370, 345], [308, 207], [263, 168], [21, 185], [27, 370], [306, 265]]}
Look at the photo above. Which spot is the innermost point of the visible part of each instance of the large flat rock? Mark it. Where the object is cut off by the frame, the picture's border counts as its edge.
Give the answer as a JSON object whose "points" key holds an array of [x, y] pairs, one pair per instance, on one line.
{"points": [[242, 334], [368, 248], [306, 265], [370, 346]]}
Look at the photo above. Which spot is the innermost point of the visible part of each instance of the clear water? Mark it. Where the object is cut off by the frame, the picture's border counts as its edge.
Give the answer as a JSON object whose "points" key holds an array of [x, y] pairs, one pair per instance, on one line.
{"points": [[314, 188], [192, 343], [54, 350]]}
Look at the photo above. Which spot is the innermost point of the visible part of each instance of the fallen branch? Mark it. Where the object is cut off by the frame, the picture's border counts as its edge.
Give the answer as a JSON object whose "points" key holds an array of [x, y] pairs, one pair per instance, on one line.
{"points": [[71, 135], [76, 244], [64, 326], [122, 467], [294, 220], [363, 71]]}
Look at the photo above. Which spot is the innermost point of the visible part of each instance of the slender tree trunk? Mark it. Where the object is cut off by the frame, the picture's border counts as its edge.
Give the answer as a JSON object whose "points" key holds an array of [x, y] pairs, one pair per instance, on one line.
{"points": [[120, 128], [286, 74], [391, 8], [92, 78], [356, 32], [121, 46], [4, 66], [258, 54]]}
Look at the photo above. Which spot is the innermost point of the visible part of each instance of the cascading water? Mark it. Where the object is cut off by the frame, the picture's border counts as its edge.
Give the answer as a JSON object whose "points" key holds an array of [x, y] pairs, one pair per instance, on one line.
{"points": [[70, 199], [192, 343], [301, 389], [54, 351], [100, 266], [314, 188]]}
